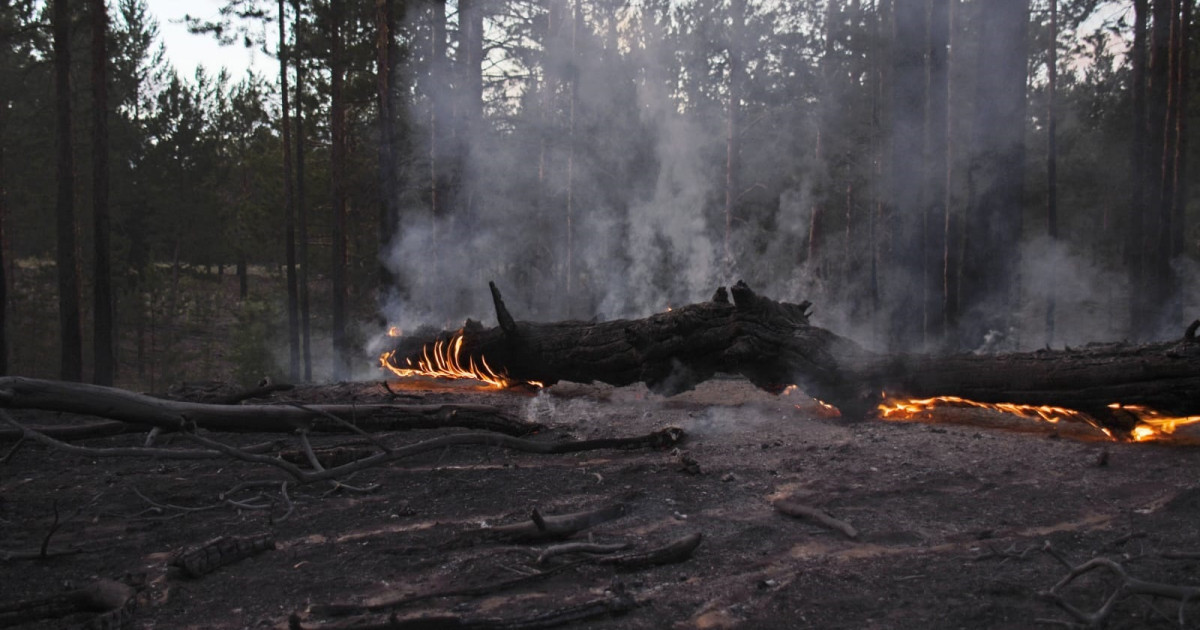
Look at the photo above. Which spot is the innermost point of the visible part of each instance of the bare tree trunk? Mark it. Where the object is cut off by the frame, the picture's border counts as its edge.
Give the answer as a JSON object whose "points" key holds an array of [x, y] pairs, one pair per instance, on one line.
{"points": [[301, 210], [1135, 254], [570, 210], [733, 130], [105, 366], [1183, 80], [70, 333], [997, 172], [4, 253], [289, 210], [470, 102], [438, 107], [389, 189], [1052, 152], [937, 144], [337, 69], [907, 176], [1156, 213]]}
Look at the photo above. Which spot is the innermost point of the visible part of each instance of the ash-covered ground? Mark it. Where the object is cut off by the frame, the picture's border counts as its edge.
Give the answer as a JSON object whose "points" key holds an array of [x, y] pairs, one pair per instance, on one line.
{"points": [[953, 518]]}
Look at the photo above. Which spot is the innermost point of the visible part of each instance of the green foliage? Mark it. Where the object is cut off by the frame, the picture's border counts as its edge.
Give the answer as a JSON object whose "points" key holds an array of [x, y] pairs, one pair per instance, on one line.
{"points": [[257, 332]]}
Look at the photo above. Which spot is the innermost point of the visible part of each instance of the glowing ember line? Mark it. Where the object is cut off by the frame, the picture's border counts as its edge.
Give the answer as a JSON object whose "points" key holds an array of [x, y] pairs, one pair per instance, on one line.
{"points": [[907, 409], [1153, 425]]}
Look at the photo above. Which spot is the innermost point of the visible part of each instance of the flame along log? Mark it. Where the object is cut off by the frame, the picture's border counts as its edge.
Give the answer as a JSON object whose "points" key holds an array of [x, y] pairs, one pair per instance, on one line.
{"points": [[1120, 386]]}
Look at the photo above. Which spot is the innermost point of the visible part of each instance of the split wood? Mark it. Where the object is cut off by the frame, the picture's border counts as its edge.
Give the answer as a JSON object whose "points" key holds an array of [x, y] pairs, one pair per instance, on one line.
{"points": [[799, 510], [1129, 585]]}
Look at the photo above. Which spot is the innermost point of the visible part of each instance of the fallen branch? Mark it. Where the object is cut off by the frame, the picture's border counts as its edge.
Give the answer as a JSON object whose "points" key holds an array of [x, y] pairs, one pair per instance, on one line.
{"points": [[579, 547], [397, 601], [617, 604], [540, 528], [117, 404], [215, 449], [218, 552], [99, 596], [799, 510], [1129, 586], [677, 550]]}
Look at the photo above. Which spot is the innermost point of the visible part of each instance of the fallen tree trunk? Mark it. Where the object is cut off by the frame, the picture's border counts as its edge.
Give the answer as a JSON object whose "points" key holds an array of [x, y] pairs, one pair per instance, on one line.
{"points": [[773, 345], [117, 404]]}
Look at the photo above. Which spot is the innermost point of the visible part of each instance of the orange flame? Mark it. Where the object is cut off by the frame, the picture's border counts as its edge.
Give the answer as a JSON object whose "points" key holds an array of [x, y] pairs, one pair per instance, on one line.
{"points": [[909, 408], [443, 359], [1153, 425]]}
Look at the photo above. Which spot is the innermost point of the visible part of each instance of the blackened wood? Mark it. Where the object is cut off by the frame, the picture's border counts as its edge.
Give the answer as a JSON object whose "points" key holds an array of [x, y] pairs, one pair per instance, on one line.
{"points": [[773, 345]]}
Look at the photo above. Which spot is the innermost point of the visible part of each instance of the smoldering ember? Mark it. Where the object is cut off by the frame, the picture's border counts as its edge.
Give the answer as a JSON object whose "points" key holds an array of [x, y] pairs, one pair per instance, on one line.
{"points": [[518, 314]]}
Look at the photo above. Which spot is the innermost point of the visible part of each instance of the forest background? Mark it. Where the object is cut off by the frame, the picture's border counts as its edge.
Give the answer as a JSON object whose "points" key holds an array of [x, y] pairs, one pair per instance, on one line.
{"points": [[932, 174]]}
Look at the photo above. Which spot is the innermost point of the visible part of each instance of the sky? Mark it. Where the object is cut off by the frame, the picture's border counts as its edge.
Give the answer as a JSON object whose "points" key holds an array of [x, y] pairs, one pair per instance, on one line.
{"points": [[186, 50]]}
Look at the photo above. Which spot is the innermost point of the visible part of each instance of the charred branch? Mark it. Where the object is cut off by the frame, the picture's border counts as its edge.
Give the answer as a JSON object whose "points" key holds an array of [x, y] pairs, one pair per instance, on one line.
{"points": [[147, 411], [218, 552]]}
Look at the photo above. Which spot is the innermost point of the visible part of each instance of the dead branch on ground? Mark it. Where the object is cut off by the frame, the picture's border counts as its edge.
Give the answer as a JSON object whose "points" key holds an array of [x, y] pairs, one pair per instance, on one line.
{"points": [[610, 605], [1128, 585], [677, 550], [540, 528], [117, 404], [218, 552], [799, 510], [105, 596]]}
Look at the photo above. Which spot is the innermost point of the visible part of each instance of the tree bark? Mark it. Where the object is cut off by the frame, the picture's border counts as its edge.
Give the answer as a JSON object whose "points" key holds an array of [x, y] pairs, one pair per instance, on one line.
{"points": [[997, 173], [773, 345], [1135, 255], [70, 332], [103, 306], [289, 209], [733, 125], [301, 211], [389, 188], [1052, 152], [341, 367]]}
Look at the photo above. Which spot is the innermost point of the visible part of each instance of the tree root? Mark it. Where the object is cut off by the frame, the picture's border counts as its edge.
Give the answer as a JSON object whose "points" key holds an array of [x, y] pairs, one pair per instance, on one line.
{"points": [[799, 510], [1128, 586], [218, 552]]}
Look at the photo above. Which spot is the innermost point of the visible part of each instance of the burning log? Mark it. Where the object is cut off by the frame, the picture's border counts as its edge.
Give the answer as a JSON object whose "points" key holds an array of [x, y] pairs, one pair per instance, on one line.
{"points": [[1140, 391]]}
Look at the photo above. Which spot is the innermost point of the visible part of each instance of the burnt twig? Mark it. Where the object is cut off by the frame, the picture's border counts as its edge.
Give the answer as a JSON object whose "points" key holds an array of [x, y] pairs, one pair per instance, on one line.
{"points": [[1129, 585], [579, 547], [677, 550], [219, 552], [610, 605], [549, 527], [799, 510]]}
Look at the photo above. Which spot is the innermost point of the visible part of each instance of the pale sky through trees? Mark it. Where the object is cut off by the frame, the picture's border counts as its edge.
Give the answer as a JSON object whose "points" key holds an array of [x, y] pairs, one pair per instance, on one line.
{"points": [[186, 50]]}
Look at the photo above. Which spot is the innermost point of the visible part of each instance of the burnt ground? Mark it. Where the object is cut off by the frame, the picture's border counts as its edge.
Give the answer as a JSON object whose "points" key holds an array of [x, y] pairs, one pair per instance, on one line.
{"points": [[952, 518]]}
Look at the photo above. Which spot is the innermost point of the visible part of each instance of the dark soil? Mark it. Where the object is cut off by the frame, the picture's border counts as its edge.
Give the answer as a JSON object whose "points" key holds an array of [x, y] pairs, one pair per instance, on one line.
{"points": [[953, 518]]}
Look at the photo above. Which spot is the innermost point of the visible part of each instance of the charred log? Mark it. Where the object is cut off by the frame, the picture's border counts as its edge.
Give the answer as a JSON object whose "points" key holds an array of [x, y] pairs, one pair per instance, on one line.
{"points": [[773, 345]]}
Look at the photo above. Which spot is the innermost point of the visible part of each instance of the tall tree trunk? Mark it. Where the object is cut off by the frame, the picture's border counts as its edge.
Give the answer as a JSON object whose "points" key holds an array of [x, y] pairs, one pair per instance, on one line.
{"points": [[937, 144], [389, 189], [301, 209], [4, 253], [733, 126], [569, 273], [1183, 81], [1156, 270], [337, 69], [289, 210], [905, 223], [1052, 153], [997, 172], [103, 306], [70, 333], [470, 103], [952, 255], [1135, 254]]}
